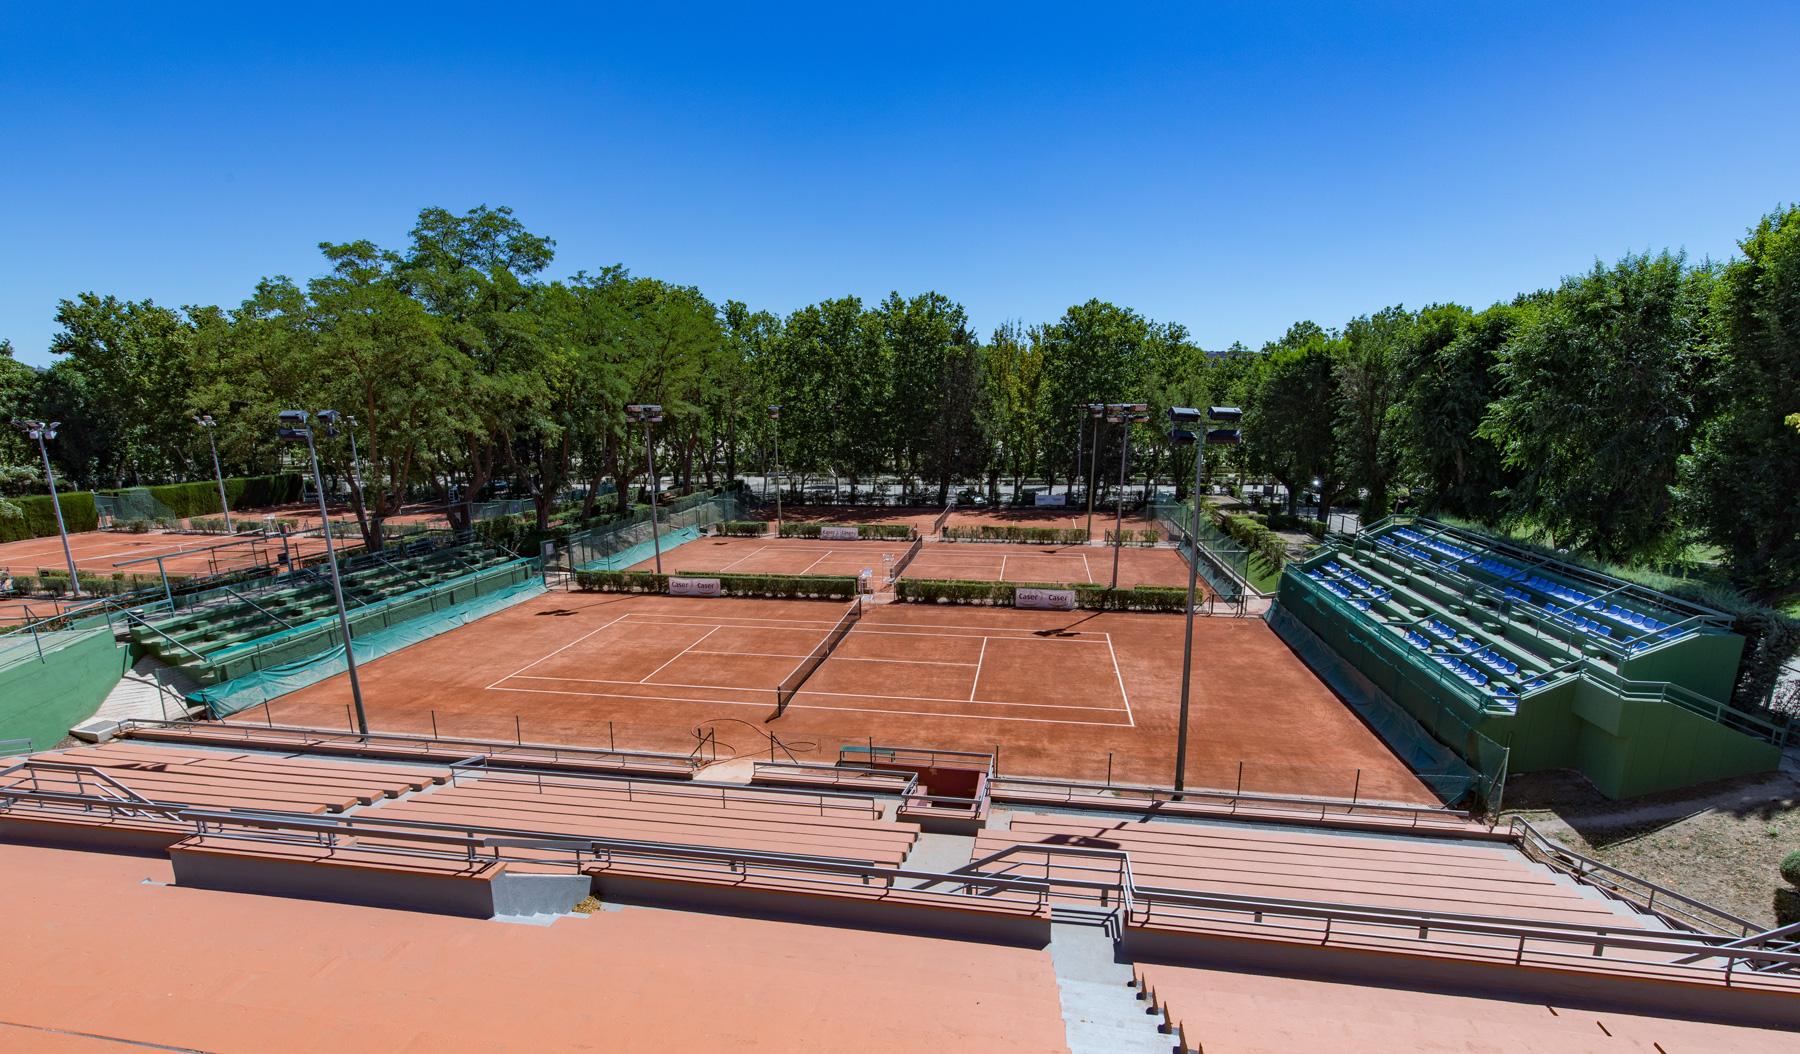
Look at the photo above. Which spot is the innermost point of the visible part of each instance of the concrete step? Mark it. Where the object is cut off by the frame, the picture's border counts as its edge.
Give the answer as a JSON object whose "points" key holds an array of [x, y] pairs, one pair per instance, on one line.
{"points": [[1101, 1011]]}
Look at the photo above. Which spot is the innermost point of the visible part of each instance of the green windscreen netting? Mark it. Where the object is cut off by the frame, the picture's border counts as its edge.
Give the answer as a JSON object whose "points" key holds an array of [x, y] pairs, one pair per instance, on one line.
{"points": [[619, 546], [256, 688], [1468, 772]]}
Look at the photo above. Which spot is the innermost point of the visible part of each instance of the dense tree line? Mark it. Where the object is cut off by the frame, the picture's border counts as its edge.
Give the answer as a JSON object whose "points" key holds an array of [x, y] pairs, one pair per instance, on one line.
{"points": [[1631, 412]]}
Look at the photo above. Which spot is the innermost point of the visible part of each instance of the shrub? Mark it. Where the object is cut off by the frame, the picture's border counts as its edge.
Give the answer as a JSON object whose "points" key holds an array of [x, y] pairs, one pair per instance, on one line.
{"points": [[742, 528], [826, 587], [1087, 597], [1790, 868], [1017, 535], [1141, 538], [901, 532], [37, 516]]}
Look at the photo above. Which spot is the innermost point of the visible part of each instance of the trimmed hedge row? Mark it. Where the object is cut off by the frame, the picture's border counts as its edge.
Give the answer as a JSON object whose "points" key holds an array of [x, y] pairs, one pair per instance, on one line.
{"points": [[1252, 536], [1019, 535], [38, 516], [1001, 594], [898, 532], [201, 497], [822, 587], [182, 499], [741, 528], [1143, 538]]}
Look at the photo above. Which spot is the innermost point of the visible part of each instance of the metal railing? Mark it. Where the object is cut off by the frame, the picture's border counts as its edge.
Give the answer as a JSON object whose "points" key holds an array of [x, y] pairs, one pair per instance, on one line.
{"points": [[1064, 873], [440, 749], [1129, 796], [1672, 907], [633, 789]]}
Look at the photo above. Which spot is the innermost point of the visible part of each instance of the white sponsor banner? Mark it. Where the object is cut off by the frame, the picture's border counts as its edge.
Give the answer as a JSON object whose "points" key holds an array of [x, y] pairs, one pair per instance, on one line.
{"points": [[838, 534], [693, 587], [1050, 499], [1047, 599]]}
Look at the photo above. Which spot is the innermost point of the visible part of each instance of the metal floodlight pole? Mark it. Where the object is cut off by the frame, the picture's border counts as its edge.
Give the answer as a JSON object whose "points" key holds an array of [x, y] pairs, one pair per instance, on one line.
{"points": [[775, 416], [206, 421], [337, 583], [1182, 415], [1125, 415], [1095, 412], [649, 413], [42, 431]]}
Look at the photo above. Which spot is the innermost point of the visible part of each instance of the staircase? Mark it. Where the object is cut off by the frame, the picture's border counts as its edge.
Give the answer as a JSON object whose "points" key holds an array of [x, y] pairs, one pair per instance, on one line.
{"points": [[150, 689], [1100, 1010]]}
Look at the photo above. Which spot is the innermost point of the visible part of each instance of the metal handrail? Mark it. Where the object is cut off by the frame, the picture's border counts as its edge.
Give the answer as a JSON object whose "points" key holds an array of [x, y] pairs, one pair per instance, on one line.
{"points": [[662, 788], [140, 620], [492, 749], [1557, 855], [467, 841], [1168, 794]]}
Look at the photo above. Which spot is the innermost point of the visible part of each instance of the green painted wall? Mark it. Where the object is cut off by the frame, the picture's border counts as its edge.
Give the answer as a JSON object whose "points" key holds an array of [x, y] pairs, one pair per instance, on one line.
{"points": [[1625, 744], [39, 701]]}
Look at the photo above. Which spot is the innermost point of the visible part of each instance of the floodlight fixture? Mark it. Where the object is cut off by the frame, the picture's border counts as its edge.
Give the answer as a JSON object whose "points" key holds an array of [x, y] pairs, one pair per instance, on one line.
{"points": [[294, 430], [1224, 415], [1183, 415], [42, 431]]}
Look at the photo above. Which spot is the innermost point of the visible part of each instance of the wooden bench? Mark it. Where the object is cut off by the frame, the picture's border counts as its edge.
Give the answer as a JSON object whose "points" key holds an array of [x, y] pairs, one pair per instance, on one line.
{"points": [[346, 873]]}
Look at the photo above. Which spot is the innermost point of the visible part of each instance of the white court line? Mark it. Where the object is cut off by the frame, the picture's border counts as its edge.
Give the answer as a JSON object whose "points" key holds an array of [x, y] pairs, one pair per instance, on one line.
{"points": [[834, 658], [564, 648], [646, 678], [815, 706], [1089, 568], [978, 660], [816, 691], [1121, 676], [829, 553], [992, 631]]}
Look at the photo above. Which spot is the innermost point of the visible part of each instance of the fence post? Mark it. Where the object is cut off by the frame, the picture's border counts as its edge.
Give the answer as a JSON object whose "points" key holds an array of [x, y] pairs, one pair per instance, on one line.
{"points": [[434, 731], [518, 734], [1356, 788]]}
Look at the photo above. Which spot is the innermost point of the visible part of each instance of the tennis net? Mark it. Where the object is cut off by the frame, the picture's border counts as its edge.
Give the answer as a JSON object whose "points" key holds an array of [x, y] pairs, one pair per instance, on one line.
{"points": [[899, 567], [790, 686], [943, 517]]}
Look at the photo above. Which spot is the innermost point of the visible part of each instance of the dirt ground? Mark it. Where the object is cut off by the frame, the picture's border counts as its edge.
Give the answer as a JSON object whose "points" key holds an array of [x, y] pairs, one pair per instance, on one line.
{"points": [[1071, 694], [1721, 843]]}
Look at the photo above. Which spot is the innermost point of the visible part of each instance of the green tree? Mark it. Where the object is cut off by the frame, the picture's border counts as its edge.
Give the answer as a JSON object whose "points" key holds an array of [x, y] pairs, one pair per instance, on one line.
{"points": [[1285, 434], [1094, 353], [1597, 402], [1369, 391], [122, 385], [1740, 482], [1449, 369]]}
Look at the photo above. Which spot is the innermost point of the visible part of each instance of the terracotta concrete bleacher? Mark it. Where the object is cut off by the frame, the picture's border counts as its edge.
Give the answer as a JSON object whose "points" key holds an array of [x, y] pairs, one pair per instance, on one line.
{"points": [[1413, 874], [190, 778], [1233, 1012], [404, 748], [683, 814]]}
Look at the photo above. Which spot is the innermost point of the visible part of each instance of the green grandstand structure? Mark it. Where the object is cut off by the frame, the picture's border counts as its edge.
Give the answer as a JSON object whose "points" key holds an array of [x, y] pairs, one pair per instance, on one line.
{"points": [[1523, 662]]}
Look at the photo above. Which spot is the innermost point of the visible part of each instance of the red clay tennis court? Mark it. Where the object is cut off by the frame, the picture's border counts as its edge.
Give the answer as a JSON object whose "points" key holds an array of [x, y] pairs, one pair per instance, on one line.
{"points": [[102, 552], [1067, 694], [967, 561], [780, 556]]}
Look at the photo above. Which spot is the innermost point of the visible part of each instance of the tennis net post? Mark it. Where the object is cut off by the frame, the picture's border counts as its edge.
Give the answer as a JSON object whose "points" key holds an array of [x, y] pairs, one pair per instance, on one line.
{"points": [[790, 685]]}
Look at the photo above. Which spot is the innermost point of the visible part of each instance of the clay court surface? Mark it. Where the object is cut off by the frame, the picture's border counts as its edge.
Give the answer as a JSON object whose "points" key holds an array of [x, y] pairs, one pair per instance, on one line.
{"points": [[924, 519], [648, 671], [107, 553], [968, 561]]}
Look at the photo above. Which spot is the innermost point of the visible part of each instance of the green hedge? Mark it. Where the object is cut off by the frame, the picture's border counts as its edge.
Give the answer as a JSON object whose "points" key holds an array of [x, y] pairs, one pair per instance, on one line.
{"points": [[1000, 594], [897, 532], [1252, 536], [1143, 538], [37, 517], [742, 528], [201, 497], [1020, 535], [822, 587]]}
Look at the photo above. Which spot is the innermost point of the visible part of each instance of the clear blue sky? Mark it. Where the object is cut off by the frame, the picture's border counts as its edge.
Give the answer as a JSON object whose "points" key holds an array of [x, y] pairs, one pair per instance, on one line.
{"points": [[1232, 168]]}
